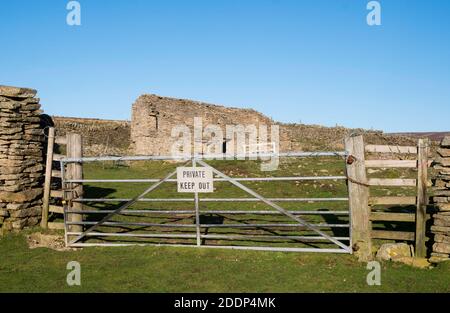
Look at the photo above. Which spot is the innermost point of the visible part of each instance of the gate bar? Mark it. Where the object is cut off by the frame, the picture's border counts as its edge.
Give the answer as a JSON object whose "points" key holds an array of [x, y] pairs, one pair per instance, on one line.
{"points": [[275, 206], [276, 249], [126, 205], [192, 236], [213, 200], [209, 225], [201, 157], [215, 179], [125, 212]]}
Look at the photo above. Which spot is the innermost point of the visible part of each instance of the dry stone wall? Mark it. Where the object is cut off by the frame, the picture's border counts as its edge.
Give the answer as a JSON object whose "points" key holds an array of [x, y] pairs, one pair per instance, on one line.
{"points": [[21, 158], [100, 137], [441, 219], [153, 118]]}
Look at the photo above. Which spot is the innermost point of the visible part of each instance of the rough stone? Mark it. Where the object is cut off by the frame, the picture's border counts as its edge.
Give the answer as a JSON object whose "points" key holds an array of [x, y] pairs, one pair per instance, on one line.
{"points": [[19, 224], [21, 197], [438, 259], [17, 92], [446, 142], [440, 200], [414, 262], [440, 229], [17, 206], [441, 247], [54, 242], [9, 105], [442, 238], [443, 192], [441, 222], [25, 213], [444, 207], [393, 251], [444, 152], [33, 220], [443, 161]]}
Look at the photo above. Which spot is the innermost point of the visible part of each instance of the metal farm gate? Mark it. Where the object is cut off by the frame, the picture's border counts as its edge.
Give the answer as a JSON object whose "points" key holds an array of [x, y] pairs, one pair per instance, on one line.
{"points": [[286, 225]]}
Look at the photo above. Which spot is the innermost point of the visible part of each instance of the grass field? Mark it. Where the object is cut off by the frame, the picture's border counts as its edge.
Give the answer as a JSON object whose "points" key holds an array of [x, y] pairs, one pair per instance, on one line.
{"points": [[153, 269], [174, 269]]}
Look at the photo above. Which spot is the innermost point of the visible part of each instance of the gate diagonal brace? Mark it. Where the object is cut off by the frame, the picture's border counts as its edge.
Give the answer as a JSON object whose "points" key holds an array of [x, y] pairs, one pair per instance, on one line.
{"points": [[125, 206], [275, 206]]}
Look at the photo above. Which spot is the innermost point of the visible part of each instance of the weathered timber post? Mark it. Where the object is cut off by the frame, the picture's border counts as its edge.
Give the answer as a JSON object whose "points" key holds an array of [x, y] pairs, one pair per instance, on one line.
{"points": [[422, 201], [48, 177], [358, 192], [75, 171]]}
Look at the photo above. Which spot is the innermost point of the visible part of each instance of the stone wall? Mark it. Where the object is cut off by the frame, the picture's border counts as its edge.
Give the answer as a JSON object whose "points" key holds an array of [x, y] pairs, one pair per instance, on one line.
{"points": [[100, 137], [153, 118], [441, 219], [21, 158]]}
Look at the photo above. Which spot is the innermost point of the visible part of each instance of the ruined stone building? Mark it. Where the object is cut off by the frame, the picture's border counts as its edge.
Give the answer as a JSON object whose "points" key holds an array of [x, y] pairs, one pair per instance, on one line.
{"points": [[154, 118]]}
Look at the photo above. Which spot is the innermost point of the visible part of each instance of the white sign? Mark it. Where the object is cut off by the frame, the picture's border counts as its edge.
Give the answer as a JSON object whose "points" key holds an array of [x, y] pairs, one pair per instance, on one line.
{"points": [[194, 179]]}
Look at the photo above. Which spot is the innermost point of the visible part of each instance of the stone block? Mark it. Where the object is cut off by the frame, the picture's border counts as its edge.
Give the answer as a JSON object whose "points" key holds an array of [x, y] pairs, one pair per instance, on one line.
{"points": [[30, 212], [32, 221], [441, 247], [17, 206], [19, 224], [441, 222], [438, 258], [17, 92], [443, 152], [21, 197], [446, 142], [392, 251], [442, 238], [445, 207], [440, 229]]}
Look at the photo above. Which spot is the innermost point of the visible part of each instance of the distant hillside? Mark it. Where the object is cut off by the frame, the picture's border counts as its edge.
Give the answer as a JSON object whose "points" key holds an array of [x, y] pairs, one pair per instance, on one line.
{"points": [[434, 136]]}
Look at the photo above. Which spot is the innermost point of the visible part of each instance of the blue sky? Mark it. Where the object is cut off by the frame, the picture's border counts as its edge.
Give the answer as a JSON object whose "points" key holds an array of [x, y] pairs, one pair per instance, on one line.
{"points": [[309, 61]]}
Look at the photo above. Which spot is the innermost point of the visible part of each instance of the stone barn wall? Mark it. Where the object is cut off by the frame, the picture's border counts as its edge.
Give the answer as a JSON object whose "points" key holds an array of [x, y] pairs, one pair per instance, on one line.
{"points": [[153, 118], [21, 158]]}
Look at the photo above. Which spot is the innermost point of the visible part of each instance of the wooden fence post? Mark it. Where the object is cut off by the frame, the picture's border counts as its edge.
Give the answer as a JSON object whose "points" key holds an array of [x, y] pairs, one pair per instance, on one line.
{"points": [[358, 193], [422, 201], [48, 177], [75, 171]]}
